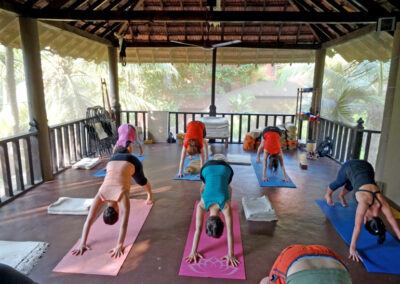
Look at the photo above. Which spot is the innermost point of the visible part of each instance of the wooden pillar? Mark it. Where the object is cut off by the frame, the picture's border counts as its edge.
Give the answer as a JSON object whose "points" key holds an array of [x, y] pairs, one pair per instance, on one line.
{"points": [[317, 86], [213, 108], [113, 74], [34, 87], [387, 163]]}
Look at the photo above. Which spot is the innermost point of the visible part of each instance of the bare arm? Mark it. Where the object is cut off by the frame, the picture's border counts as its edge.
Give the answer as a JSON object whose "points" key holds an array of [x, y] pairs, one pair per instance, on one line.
{"points": [[202, 157], [283, 167], [265, 159], [230, 257], [230, 192], [260, 148], [194, 255], [183, 156], [362, 208], [94, 208], [205, 146], [202, 188], [124, 209]]}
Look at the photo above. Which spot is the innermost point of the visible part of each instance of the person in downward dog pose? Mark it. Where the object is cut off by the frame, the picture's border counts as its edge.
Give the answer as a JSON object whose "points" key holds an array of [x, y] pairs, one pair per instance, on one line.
{"points": [[216, 195], [272, 152], [195, 143], [360, 176], [115, 192], [313, 264], [127, 132]]}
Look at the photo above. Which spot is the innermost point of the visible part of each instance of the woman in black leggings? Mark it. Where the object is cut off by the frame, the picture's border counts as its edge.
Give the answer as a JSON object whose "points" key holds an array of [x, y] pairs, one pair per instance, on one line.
{"points": [[359, 175]]}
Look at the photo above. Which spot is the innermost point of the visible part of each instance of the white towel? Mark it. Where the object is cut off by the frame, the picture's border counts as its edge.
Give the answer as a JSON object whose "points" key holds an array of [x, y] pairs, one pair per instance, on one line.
{"points": [[258, 209], [237, 159], [86, 163], [70, 206], [21, 256]]}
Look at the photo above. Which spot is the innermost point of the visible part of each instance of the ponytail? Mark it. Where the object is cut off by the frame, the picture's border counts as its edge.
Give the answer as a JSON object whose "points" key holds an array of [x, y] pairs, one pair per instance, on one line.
{"points": [[273, 163]]}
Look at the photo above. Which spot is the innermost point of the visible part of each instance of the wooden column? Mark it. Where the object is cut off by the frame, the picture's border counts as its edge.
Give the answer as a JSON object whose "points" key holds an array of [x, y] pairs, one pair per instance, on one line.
{"points": [[113, 74], [34, 86], [387, 163], [317, 86], [213, 108]]}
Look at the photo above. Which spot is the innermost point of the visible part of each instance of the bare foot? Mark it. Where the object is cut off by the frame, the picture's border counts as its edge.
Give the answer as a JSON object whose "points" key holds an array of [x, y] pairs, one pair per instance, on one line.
{"points": [[329, 200], [344, 203]]}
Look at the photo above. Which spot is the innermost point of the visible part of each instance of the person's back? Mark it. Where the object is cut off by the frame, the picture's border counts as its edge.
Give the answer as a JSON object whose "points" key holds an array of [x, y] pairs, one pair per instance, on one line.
{"points": [[216, 176]]}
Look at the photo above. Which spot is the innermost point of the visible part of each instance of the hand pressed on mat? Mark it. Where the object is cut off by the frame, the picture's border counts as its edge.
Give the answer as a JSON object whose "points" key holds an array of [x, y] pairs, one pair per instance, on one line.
{"points": [[194, 257]]}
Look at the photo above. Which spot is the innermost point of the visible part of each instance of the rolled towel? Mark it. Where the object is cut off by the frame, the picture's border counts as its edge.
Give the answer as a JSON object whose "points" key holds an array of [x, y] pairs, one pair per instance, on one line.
{"points": [[70, 206]]}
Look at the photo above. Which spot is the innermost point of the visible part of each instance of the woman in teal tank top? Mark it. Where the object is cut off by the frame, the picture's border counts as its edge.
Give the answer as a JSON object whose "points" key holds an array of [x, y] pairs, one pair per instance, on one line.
{"points": [[216, 195]]}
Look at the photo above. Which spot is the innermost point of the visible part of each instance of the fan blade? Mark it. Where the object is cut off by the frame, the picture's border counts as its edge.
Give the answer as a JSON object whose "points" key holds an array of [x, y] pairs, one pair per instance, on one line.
{"points": [[226, 43], [185, 43]]}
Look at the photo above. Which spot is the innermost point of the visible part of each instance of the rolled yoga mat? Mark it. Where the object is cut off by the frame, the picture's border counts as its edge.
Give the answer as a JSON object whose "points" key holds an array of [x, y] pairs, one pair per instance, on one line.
{"points": [[213, 249], [102, 172], [186, 176], [276, 180], [101, 239], [382, 258]]}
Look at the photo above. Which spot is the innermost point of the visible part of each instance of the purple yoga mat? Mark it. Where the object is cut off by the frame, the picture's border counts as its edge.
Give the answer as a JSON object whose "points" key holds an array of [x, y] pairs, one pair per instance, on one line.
{"points": [[213, 249]]}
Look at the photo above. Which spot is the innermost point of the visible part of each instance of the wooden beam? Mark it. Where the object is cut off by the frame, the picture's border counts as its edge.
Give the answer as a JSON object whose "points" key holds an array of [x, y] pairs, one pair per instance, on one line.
{"points": [[198, 16], [79, 32], [77, 4], [247, 44], [353, 35]]}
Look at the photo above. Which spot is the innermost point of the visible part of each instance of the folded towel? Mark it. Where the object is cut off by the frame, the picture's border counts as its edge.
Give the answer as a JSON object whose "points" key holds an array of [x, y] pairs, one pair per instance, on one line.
{"points": [[70, 206], [193, 167], [87, 163], [258, 209]]}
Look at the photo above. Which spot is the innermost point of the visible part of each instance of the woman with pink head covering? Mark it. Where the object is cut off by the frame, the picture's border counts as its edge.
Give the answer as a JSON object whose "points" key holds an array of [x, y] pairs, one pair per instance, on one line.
{"points": [[128, 133]]}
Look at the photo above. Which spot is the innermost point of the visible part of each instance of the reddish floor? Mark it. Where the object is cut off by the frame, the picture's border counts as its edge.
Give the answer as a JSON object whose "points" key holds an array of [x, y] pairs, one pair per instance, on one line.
{"points": [[157, 253]]}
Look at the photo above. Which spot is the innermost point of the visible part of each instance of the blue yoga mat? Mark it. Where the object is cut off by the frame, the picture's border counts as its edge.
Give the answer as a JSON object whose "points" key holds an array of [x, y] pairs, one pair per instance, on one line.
{"points": [[186, 176], [102, 172], [276, 180], [384, 258]]}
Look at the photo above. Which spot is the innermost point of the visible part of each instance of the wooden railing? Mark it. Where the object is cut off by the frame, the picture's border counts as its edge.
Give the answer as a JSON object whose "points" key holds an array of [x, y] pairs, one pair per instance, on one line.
{"points": [[350, 142], [20, 165], [239, 123], [69, 143]]}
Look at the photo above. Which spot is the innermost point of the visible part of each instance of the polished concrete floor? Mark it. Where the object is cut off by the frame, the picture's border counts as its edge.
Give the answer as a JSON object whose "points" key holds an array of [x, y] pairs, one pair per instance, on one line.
{"points": [[157, 253]]}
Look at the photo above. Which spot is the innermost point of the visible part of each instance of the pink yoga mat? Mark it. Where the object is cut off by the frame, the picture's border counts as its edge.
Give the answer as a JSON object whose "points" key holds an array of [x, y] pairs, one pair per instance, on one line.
{"points": [[213, 249], [101, 239]]}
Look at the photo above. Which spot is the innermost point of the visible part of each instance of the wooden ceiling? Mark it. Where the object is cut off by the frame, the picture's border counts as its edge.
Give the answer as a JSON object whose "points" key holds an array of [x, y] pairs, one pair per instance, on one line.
{"points": [[282, 24]]}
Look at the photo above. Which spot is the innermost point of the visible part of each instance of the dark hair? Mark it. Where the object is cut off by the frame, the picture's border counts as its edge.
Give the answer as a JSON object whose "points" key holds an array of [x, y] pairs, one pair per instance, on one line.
{"points": [[376, 227], [122, 150], [193, 147], [214, 227], [273, 162], [110, 216]]}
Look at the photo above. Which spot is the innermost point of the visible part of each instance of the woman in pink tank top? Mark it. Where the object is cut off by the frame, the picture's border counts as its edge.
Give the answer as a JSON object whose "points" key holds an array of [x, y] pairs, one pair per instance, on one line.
{"points": [[115, 192]]}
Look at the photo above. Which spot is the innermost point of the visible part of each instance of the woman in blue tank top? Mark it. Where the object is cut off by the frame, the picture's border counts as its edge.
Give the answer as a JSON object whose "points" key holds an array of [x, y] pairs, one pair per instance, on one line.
{"points": [[216, 195]]}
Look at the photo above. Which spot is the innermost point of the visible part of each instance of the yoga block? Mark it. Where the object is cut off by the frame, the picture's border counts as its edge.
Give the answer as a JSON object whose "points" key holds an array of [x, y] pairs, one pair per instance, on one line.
{"points": [[303, 163]]}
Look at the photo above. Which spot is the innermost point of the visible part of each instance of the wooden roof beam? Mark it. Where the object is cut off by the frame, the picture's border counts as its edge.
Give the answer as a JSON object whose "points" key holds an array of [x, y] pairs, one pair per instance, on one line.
{"points": [[350, 36], [247, 44], [79, 32], [198, 16]]}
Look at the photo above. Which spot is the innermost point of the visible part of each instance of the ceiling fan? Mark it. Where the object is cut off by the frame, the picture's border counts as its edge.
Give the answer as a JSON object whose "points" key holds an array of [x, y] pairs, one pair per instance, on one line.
{"points": [[206, 43]]}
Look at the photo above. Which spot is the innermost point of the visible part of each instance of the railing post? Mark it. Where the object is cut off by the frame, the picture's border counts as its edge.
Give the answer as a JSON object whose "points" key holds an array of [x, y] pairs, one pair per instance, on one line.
{"points": [[358, 139]]}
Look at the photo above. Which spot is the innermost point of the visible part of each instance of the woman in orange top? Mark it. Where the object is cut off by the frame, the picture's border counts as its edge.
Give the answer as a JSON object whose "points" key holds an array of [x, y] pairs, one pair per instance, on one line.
{"points": [[115, 192], [272, 149], [195, 143]]}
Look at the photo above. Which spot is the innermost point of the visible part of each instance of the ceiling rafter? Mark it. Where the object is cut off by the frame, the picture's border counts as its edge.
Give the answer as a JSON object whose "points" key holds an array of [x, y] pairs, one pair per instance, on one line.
{"points": [[309, 8]]}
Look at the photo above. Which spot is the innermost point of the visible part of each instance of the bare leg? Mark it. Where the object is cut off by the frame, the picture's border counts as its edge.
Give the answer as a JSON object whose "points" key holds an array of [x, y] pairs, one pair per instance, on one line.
{"points": [[328, 196], [341, 196], [140, 151], [147, 187]]}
